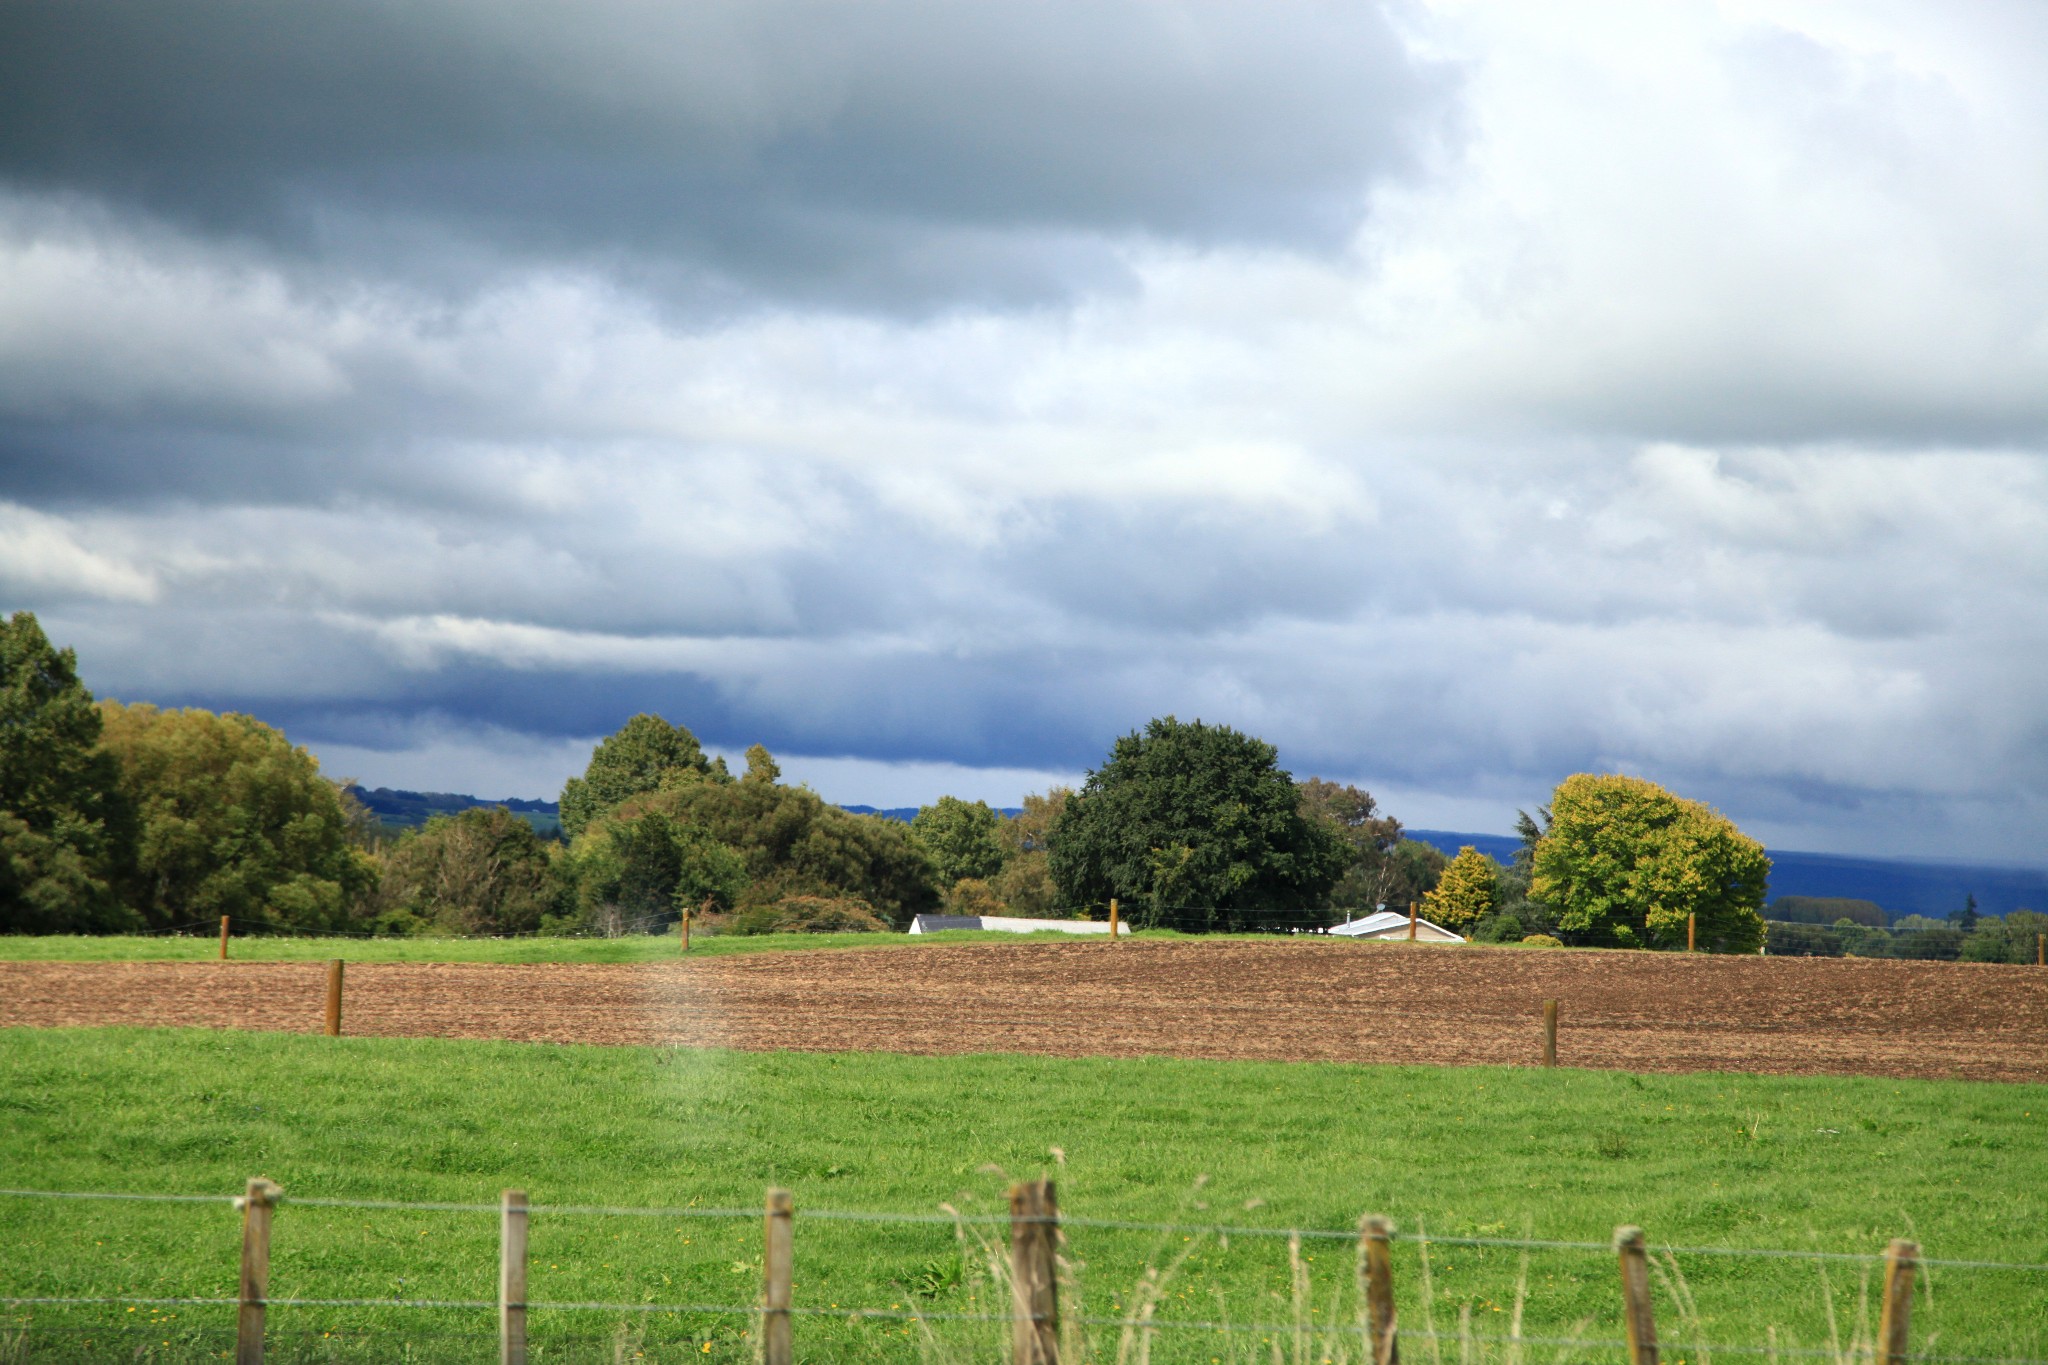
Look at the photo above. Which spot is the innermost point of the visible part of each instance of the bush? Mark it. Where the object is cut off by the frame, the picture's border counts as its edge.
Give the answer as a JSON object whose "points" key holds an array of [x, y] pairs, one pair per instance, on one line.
{"points": [[1826, 910], [811, 915], [1542, 941], [972, 896], [1929, 945], [1499, 929], [1784, 939]]}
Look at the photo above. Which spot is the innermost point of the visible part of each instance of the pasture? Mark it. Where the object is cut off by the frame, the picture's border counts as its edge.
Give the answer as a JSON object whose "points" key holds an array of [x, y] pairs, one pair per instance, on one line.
{"points": [[1833, 1164]]}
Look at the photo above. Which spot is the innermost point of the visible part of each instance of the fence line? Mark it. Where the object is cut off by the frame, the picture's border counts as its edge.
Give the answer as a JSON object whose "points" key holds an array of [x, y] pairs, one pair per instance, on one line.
{"points": [[1106, 1224], [951, 1218]]}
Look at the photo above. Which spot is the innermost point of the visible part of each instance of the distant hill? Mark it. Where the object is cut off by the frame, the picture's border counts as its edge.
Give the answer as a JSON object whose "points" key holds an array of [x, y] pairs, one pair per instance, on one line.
{"points": [[1903, 886], [908, 813], [904, 813], [397, 810]]}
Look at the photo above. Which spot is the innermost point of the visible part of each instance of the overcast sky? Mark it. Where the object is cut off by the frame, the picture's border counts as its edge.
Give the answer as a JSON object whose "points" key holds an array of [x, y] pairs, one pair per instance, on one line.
{"points": [[1457, 395]]}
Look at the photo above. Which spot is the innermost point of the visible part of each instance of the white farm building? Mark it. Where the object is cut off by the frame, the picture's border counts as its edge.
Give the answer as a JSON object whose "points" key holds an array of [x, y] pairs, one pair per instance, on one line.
{"points": [[932, 924], [1393, 924]]}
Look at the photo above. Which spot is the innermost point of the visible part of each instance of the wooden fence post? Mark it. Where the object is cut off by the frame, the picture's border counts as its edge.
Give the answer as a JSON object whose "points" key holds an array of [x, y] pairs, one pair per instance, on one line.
{"points": [[686, 928], [1376, 1273], [1635, 1296], [1901, 1260], [512, 1278], [334, 997], [778, 1264], [223, 938], [256, 1204], [1411, 921], [1550, 1033], [1034, 1290], [2041, 950], [1112, 919], [1690, 926]]}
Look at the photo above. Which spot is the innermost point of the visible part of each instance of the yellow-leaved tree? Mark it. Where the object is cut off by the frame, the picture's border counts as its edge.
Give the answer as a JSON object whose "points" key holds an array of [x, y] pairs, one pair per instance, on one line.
{"points": [[1467, 892], [1625, 861]]}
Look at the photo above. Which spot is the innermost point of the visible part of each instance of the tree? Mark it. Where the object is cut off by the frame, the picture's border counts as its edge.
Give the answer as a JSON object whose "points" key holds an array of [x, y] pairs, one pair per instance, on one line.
{"points": [[963, 838], [1194, 825], [1520, 913], [1025, 884], [1625, 861], [481, 871], [63, 827], [1966, 919], [790, 843], [1412, 873], [1468, 891], [639, 868], [761, 765], [1372, 876], [646, 754], [232, 819]]}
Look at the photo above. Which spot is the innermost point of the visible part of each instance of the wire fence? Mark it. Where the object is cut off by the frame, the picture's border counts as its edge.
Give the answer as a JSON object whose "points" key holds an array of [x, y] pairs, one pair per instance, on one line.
{"points": [[952, 1218], [1146, 1317]]}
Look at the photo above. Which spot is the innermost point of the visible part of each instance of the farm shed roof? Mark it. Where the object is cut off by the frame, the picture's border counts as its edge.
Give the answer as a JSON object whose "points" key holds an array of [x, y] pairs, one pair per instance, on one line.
{"points": [[1394, 924], [932, 924]]}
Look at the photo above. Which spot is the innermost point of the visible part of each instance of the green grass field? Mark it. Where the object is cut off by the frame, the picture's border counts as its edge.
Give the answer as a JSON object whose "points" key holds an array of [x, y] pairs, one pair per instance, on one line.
{"points": [[631, 948], [1708, 1160]]}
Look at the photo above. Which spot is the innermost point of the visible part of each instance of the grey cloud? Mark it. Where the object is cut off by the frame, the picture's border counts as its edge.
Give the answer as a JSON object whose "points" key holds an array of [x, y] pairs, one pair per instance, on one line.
{"points": [[342, 380], [789, 146]]}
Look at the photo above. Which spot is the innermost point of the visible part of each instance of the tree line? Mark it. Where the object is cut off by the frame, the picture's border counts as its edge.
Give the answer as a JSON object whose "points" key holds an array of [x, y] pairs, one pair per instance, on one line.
{"points": [[121, 817]]}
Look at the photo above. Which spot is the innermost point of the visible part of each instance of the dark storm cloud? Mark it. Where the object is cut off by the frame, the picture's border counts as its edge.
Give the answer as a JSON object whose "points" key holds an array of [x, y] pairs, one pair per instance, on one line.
{"points": [[849, 151]]}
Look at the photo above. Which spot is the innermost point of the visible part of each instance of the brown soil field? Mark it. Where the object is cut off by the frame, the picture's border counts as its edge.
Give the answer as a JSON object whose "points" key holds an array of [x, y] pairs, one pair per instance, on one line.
{"points": [[1386, 1003]]}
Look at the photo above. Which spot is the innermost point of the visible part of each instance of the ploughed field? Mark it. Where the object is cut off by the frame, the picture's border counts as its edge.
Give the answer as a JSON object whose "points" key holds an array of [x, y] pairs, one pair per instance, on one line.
{"points": [[1282, 1001]]}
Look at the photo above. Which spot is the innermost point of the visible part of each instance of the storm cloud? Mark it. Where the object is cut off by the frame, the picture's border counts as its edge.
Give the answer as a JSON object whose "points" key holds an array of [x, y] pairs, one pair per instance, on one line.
{"points": [[1458, 396]]}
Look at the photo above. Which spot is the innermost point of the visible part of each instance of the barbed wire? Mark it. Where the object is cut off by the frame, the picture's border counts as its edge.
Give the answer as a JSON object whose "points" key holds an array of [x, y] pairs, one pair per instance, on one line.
{"points": [[951, 1218]]}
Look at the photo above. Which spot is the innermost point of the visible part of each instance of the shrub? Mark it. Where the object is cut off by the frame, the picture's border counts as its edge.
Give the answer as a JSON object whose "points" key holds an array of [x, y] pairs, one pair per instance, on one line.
{"points": [[972, 896], [1931, 945], [811, 915], [1826, 910], [1784, 939], [1542, 941], [1499, 929]]}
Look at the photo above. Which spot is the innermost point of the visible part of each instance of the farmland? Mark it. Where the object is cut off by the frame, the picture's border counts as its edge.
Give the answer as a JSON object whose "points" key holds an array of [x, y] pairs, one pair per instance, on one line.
{"points": [[1807, 1163], [1219, 999]]}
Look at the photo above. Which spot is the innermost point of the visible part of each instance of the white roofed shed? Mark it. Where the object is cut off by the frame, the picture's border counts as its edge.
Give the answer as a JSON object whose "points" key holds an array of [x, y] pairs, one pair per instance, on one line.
{"points": [[1393, 924]]}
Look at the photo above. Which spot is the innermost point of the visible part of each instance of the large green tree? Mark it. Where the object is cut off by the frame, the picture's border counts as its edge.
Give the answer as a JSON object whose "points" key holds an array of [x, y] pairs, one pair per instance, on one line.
{"points": [[232, 819], [963, 838], [480, 871], [63, 831], [646, 754], [1624, 862], [1196, 826]]}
